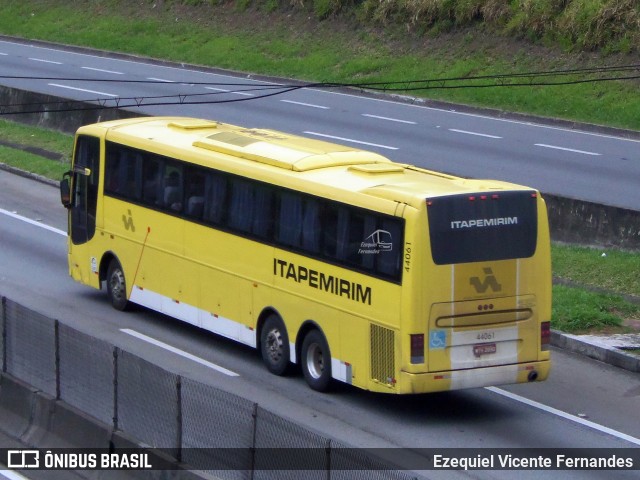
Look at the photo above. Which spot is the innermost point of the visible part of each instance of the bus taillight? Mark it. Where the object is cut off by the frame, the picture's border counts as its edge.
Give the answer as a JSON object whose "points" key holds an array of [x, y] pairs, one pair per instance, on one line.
{"points": [[545, 335], [417, 348]]}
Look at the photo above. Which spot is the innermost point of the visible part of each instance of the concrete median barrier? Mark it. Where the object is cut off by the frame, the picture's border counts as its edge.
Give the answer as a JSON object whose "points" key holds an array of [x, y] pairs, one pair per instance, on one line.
{"points": [[16, 406]]}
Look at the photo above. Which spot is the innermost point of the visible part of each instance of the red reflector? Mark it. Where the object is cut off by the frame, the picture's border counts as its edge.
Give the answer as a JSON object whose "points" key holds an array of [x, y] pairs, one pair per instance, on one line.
{"points": [[534, 195], [495, 196], [417, 347], [545, 335], [483, 197], [471, 199]]}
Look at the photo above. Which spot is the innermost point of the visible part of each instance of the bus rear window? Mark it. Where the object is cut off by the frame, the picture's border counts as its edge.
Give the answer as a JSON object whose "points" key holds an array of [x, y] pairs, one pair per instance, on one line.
{"points": [[482, 227]]}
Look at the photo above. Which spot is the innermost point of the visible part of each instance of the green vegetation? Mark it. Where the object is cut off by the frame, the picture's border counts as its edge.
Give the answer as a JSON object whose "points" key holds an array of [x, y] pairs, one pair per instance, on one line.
{"points": [[577, 310], [613, 25], [32, 163], [375, 41], [612, 270], [23, 136], [601, 278], [49, 140]]}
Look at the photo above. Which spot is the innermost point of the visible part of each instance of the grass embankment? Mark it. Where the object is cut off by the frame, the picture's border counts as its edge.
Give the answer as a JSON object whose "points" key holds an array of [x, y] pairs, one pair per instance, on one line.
{"points": [[372, 41], [34, 138], [575, 309], [609, 275]]}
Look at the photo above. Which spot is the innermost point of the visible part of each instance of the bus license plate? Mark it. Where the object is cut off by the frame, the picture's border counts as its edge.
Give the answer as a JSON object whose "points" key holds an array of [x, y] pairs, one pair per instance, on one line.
{"points": [[484, 349]]}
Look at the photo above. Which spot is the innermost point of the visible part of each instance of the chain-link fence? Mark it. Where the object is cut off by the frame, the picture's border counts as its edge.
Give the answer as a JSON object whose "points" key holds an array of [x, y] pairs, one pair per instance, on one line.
{"points": [[199, 425]]}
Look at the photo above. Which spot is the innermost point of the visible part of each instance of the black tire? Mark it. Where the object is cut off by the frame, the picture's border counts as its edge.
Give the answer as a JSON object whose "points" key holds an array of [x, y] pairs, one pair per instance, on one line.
{"points": [[274, 346], [117, 286], [315, 360]]}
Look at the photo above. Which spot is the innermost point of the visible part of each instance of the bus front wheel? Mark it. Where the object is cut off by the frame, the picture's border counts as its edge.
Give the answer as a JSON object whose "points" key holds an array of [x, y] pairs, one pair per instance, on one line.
{"points": [[274, 345], [117, 286], [316, 361]]}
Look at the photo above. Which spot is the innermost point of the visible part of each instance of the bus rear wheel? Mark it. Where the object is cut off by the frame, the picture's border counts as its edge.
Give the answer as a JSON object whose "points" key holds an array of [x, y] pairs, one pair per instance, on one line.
{"points": [[274, 346], [316, 361], [117, 286]]}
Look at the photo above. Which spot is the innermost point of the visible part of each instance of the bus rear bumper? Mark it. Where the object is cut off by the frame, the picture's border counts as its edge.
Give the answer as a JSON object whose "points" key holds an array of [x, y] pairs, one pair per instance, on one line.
{"points": [[473, 378]]}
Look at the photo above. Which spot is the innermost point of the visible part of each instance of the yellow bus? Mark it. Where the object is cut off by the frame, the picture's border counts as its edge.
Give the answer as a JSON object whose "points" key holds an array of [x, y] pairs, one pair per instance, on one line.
{"points": [[385, 276]]}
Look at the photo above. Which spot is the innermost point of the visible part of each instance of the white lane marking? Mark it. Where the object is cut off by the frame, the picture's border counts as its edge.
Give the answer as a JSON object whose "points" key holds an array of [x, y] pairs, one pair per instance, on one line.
{"points": [[453, 111], [31, 222], [164, 80], [102, 70], [466, 132], [177, 351], [351, 140], [395, 102], [398, 120], [567, 149], [306, 104], [224, 90], [11, 475], [82, 90], [567, 416], [4, 54], [45, 61]]}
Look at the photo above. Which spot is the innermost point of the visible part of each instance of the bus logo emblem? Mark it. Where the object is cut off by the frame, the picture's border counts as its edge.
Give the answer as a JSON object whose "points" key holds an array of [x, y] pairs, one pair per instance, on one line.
{"points": [[378, 241], [128, 222], [489, 281]]}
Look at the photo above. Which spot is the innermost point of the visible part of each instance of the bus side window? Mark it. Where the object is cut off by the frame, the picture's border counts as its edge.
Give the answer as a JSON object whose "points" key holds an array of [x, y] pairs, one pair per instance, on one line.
{"points": [[328, 229], [361, 227], [173, 188], [123, 176], [151, 180], [290, 219], [390, 256], [112, 169], [342, 234], [263, 219], [134, 176], [215, 193], [311, 226], [241, 205], [194, 193]]}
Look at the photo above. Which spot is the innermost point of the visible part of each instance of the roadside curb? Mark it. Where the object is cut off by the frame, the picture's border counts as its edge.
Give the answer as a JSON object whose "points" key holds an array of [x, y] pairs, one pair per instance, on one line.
{"points": [[29, 175], [604, 353]]}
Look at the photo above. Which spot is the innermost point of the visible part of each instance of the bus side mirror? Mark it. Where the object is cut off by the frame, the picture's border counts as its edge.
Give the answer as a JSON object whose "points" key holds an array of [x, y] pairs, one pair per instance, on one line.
{"points": [[65, 190]]}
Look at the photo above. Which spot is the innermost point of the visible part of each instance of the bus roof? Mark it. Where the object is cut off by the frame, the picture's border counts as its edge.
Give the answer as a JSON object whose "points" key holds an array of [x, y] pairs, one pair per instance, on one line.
{"points": [[211, 143]]}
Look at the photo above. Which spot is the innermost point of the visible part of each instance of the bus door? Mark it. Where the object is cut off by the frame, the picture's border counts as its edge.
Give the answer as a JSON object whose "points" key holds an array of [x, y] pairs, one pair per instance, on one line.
{"points": [[80, 196]]}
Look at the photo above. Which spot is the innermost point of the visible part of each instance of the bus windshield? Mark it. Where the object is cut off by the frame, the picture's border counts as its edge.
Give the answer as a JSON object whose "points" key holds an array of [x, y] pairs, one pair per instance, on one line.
{"points": [[483, 226]]}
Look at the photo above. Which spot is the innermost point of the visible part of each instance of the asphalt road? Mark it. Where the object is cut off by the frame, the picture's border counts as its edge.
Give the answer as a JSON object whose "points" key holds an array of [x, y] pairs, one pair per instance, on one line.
{"points": [[589, 166], [583, 404]]}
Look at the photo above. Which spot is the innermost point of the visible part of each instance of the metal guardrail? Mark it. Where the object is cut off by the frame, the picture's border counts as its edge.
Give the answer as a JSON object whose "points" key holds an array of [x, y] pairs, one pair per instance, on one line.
{"points": [[184, 419]]}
